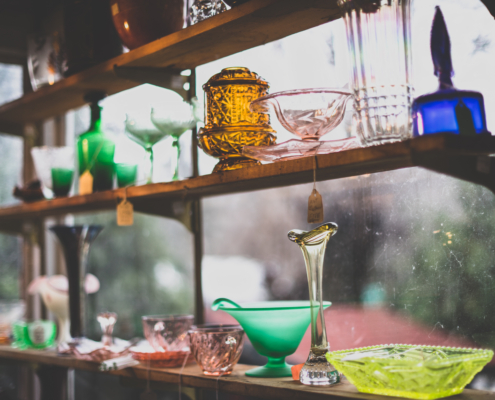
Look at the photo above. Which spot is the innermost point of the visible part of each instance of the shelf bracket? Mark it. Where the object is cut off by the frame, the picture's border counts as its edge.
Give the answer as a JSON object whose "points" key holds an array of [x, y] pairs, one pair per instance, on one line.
{"points": [[479, 169], [167, 78], [180, 210]]}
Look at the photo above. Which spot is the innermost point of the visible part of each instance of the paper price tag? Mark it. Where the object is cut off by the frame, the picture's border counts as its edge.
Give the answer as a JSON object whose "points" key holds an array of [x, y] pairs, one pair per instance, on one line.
{"points": [[115, 9], [315, 208], [86, 183], [125, 213]]}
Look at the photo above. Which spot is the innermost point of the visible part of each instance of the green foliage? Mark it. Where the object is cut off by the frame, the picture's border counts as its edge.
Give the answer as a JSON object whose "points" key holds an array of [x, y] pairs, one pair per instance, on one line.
{"points": [[124, 260], [452, 279]]}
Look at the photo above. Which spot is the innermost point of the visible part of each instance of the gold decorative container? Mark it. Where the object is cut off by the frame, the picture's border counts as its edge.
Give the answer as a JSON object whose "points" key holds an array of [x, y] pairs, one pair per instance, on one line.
{"points": [[230, 124]]}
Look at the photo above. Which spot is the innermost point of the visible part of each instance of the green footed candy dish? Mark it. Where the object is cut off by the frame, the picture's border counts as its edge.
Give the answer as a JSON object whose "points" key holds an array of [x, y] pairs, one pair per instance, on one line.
{"points": [[416, 372], [275, 328]]}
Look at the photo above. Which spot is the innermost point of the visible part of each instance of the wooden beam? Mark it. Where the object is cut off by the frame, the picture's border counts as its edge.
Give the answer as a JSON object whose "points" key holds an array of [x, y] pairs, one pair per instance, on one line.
{"points": [[157, 199], [237, 383]]}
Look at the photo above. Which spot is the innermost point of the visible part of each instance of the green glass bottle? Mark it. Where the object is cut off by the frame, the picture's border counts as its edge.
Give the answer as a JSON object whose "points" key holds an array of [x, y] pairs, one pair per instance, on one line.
{"points": [[95, 150]]}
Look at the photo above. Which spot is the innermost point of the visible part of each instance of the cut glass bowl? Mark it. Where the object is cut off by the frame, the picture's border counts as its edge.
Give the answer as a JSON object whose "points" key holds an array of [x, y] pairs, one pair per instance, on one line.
{"points": [[416, 372], [307, 113], [167, 332]]}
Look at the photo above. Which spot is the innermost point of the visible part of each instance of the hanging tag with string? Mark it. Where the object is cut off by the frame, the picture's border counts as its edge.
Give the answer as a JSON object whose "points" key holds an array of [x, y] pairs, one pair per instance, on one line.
{"points": [[125, 211], [315, 202]]}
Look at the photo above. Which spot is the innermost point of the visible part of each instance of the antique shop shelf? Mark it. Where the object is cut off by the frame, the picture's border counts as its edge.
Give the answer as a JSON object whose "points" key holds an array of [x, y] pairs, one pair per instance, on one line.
{"points": [[251, 24], [462, 157], [237, 383]]}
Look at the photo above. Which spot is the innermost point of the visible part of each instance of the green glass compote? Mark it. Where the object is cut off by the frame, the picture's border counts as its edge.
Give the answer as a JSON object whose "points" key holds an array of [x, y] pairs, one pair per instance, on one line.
{"points": [[141, 130], [275, 328], [174, 119]]}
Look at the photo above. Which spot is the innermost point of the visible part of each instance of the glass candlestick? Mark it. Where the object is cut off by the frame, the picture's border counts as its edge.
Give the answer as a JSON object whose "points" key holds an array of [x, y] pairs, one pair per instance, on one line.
{"points": [[317, 370], [107, 322]]}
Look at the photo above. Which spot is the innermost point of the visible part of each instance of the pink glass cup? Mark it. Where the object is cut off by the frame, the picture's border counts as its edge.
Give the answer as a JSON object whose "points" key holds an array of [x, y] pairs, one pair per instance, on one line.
{"points": [[216, 348], [167, 332]]}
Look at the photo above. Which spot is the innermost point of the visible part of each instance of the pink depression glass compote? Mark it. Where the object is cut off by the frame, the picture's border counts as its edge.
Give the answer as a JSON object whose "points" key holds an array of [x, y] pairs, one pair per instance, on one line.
{"points": [[307, 113]]}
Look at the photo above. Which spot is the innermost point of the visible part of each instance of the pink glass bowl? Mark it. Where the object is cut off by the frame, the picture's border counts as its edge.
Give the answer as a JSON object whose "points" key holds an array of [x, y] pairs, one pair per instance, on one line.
{"points": [[216, 348], [307, 113], [167, 332]]}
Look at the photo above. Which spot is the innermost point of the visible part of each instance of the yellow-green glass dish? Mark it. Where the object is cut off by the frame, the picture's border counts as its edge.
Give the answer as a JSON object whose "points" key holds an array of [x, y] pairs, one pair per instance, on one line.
{"points": [[415, 372]]}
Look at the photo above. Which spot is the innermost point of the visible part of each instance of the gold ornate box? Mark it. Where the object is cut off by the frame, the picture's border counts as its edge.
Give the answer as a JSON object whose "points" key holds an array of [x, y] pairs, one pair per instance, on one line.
{"points": [[230, 124]]}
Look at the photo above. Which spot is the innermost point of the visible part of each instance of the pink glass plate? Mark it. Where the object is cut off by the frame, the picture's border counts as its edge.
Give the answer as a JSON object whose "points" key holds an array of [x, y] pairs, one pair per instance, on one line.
{"points": [[168, 359], [294, 148]]}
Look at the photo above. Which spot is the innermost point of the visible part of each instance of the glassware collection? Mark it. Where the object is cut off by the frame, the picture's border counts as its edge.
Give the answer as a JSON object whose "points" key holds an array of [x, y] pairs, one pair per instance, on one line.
{"points": [[237, 131], [237, 127]]}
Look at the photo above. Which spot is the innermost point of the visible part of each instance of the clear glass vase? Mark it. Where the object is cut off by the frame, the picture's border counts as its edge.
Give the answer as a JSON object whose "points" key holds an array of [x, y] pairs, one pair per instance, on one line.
{"points": [[379, 42], [317, 370]]}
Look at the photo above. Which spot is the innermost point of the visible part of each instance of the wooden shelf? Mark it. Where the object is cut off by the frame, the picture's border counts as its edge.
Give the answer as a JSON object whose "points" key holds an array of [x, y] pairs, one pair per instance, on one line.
{"points": [[462, 157], [237, 383], [249, 25]]}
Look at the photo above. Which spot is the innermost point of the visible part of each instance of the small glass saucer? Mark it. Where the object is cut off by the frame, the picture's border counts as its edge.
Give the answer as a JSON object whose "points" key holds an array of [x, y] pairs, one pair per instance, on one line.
{"points": [[293, 149], [146, 355]]}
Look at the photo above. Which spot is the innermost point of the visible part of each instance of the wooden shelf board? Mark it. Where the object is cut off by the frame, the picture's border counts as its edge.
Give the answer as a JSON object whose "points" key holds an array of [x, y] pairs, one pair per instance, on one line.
{"points": [[151, 198], [249, 25], [237, 383]]}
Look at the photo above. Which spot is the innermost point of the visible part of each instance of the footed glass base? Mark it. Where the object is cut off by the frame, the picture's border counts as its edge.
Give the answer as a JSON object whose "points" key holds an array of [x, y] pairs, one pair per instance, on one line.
{"points": [[231, 163], [318, 372], [275, 368]]}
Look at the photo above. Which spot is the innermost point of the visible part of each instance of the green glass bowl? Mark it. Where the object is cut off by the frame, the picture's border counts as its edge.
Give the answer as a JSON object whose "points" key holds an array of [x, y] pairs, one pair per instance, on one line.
{"points": [[34, 335], [275, 328], [416, 372]]}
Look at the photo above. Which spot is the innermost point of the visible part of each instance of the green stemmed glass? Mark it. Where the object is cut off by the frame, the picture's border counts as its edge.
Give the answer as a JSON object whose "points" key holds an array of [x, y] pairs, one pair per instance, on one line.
{"points": [[141, 130], [174, 119], [275, 328]]}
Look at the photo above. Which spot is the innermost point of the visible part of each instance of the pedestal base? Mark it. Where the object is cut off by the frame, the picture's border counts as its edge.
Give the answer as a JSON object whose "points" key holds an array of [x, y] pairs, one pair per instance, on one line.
{"points": [[230, 164], [318, 372], [275, 368]]}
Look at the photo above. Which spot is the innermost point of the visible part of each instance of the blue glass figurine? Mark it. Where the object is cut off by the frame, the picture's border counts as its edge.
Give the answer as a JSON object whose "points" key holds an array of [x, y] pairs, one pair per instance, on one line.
{"points": [[447, 110]]}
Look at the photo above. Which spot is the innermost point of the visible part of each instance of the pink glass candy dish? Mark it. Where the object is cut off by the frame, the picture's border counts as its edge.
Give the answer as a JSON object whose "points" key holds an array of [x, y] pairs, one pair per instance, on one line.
{"points": [[167, 332], [216, 348], [307, 113]]}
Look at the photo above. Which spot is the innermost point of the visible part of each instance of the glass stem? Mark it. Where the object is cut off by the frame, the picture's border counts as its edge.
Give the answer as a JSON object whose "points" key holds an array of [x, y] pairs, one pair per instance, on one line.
{"points": [[175, 159], [149, 161], [313, 257]]}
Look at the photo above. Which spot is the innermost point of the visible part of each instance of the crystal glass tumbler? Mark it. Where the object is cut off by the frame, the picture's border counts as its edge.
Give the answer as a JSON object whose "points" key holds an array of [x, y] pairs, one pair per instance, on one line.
{"points": [[216, 348], [55, 169], [167, 332], [379, 42]]}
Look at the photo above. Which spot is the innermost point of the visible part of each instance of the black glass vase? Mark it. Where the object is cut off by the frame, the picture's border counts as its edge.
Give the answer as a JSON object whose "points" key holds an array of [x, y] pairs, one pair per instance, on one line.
{"points": [[76, 241]]}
